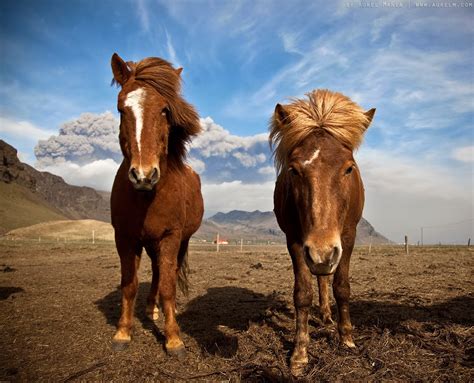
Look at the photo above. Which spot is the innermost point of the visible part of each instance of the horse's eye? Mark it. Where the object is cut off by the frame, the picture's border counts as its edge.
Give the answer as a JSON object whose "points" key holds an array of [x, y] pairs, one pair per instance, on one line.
{"points": [[165, 111], [293, 171], [349, 170]]}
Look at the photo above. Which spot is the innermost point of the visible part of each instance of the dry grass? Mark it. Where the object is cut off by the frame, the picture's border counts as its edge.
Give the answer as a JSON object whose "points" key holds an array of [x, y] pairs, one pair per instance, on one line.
{"points": [[59, 304], [20, 207], [73, 230]]}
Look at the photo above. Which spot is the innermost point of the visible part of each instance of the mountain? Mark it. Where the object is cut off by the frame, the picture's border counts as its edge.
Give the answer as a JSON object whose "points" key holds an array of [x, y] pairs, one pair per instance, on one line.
{"points": [[30, 196], [259, 225]]}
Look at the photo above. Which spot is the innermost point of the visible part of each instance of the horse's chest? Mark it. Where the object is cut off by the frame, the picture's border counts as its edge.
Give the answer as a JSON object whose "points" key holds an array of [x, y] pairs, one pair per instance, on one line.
{"points": [[162, 216], [148, 217]]}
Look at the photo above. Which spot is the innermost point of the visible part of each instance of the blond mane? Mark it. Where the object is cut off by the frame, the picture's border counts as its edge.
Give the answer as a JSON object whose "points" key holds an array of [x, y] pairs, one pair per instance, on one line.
{"points": [[330, 111]]}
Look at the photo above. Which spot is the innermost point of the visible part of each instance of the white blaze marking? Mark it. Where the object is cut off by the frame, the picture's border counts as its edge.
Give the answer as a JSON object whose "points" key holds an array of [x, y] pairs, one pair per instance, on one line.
{"points": [[134, 101], [313, 157]]}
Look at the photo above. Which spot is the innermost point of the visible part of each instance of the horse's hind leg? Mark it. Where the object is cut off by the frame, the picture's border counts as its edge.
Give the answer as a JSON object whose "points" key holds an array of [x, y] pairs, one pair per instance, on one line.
{"points": [[342, 292], [129, 262], [152, 310], [168, 264], [324, 307]]}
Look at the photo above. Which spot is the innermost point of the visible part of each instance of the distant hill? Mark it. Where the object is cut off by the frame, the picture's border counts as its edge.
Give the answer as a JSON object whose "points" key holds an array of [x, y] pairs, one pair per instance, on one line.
{"points": [[29, 196], [20, 207], [71, 230], [260, 225]]}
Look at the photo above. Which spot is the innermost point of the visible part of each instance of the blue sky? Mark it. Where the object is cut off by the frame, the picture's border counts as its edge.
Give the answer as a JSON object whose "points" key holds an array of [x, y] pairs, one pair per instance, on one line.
{"points": [[414, 64]]}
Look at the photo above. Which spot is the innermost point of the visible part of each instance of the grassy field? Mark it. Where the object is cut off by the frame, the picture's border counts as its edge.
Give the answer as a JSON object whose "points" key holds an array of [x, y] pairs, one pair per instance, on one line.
{"points": [[59, 303], [20, 207], [84, 230]]}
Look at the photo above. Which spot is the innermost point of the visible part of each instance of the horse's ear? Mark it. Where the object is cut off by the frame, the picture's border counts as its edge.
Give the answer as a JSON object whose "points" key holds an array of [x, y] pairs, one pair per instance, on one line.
{"points": [[119, 69], [370, 115], [280, 115], [178, 71]]}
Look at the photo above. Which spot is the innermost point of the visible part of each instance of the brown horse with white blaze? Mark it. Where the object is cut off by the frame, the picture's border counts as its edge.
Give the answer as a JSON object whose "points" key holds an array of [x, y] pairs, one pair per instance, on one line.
{"points": [[318, 201], [156, 198]]}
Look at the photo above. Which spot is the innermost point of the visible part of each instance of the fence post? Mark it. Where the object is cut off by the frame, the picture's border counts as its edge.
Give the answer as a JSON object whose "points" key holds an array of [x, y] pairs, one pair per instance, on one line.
{"points": [[217, 243], [469, 242], [93, 237], [406, 244], [241, 244]]}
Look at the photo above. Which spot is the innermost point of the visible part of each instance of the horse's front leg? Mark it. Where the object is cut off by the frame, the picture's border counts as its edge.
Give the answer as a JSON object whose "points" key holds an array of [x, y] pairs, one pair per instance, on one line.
{"points": [[342, 292], [168, 265], [303, 296], [129, 253]]}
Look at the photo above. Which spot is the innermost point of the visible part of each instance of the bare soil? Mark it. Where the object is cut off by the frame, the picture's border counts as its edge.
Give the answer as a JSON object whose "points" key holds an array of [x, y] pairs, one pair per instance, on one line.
{"points": [[413, 317]]}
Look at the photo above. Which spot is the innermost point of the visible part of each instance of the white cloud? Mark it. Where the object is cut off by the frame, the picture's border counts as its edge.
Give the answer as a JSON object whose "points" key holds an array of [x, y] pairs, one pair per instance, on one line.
{"points": [[465, 154], [98, 174], [216, 141], [143, 14], [290, 42], [248, 160], [404, 194], [24, 157], [227, 157], [24, 130], [237, 195], [171, 51], [89, 137], [267, 170], [198, 165]]}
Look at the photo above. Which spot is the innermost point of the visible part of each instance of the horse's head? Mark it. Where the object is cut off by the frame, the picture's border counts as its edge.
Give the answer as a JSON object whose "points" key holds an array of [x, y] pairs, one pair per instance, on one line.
{"points": [[321, 175], [145, 116]]}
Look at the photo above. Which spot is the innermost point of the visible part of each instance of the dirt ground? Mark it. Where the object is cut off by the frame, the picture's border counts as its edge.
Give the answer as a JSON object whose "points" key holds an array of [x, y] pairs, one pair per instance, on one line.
{"points": [[413, 317]]}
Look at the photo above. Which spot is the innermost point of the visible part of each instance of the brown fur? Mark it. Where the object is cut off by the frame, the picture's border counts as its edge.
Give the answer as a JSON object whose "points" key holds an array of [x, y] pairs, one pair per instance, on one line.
{"points": [[318, 201], [163, 218]]}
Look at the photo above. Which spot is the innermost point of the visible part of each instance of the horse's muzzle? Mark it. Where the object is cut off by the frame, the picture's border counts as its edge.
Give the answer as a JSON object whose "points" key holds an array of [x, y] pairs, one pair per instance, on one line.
{"points": [[322, 261], [142, 181]]}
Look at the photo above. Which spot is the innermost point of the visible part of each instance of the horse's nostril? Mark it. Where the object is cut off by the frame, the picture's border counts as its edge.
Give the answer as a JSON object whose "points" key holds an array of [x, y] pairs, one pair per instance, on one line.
{"points": [[133, 175], [154, 175], [306, 251]]}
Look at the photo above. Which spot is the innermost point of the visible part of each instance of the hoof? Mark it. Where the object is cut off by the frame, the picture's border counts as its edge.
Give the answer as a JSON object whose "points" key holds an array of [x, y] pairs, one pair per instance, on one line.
{"points": [[297, 368], [328, 321], [348, 342], [120, 345], [177, 352]]}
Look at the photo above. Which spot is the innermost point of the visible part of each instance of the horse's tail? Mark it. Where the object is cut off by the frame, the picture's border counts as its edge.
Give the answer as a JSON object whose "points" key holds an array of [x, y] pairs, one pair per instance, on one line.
{"points": [[183, 282]]}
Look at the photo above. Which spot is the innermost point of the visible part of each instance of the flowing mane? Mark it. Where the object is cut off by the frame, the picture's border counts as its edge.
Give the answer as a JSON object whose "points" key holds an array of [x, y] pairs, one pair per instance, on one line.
{"points": [[330, 111], [184, 119]]}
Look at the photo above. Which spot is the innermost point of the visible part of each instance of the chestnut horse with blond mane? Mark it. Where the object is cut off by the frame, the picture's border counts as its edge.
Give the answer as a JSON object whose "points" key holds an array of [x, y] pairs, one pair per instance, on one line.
{"points": [[156, 198], [318, 202]]}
